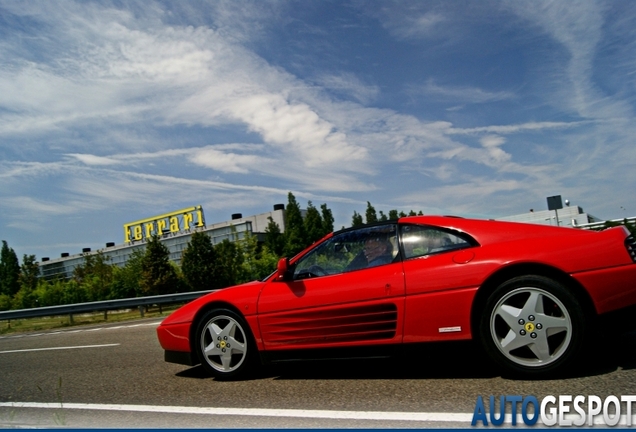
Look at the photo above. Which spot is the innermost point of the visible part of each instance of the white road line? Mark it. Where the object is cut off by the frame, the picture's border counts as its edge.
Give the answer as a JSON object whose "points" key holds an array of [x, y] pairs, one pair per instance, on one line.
{"points": [[257, 412], [19, 336], [440, 417], [59, 348]]}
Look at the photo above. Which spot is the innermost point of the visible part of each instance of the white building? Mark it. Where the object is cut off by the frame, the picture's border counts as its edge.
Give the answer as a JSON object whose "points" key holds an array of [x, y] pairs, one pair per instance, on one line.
{"points": [[235, 229], [568, 216]]}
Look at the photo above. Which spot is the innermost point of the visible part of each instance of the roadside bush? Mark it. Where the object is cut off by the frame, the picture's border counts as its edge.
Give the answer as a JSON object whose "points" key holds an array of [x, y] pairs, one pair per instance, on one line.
{"points": [[5, 302]]}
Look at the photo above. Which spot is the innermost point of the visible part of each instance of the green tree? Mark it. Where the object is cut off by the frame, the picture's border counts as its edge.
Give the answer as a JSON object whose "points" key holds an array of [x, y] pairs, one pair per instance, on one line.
{"points": [[29, 274], [9, 271], [393, 215], [257, 262], [313, 224], [327, 219], [74, 292], [126, 279], [370, 214], [274, 238], [356, 220], [158, 276], [295, 235], [199, 263], [230, 262], [383, 217], [50, 293], [95, 276], [6, 302]]}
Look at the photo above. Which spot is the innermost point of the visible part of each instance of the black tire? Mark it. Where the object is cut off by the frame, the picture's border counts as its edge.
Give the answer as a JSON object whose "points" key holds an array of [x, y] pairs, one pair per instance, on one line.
{"points": [[533, 326], [225, 345]]}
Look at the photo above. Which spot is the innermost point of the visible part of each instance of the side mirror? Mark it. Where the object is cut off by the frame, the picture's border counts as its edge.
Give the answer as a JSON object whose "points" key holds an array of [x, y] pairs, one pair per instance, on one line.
{"points": [[282, 268]]}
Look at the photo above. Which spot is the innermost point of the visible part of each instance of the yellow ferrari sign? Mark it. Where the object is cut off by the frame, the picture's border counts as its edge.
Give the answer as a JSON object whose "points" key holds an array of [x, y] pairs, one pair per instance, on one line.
{"points": [[174, 222]]}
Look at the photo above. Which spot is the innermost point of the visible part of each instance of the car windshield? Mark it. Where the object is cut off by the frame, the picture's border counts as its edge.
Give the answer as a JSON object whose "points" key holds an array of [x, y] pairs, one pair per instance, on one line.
{"points": [[349, 251]]}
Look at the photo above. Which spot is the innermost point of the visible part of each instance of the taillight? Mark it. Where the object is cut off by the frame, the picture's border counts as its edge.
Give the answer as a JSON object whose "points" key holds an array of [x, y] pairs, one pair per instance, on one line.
{"points": [[630, 244]]}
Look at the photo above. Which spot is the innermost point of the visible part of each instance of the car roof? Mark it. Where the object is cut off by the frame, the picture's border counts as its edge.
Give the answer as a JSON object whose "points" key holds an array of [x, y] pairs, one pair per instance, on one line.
{"points": [[483, 230]]}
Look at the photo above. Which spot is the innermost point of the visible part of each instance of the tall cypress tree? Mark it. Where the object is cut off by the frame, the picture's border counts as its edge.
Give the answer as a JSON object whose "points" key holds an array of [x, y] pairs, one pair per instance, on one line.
{"points": [[199, 263], [274, 238], [356, 219], [370, 214], [230, 262], [29, 273], [313, 224], [295, 235], [9, 271], [158, 276], [327, 219]]}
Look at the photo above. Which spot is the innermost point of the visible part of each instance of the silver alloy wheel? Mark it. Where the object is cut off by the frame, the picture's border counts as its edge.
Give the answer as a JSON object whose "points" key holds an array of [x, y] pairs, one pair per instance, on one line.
{"points": [[531, 327], [224, 343]]}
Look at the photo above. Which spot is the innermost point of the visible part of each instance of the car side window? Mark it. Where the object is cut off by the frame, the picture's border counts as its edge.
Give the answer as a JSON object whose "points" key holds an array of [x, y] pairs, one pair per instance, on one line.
{"points": [[350, 250], [418, 240]]}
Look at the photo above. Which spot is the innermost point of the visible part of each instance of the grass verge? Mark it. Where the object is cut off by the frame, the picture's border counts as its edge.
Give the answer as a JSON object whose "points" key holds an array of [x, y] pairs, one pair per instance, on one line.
{"points": [[65, 321]]}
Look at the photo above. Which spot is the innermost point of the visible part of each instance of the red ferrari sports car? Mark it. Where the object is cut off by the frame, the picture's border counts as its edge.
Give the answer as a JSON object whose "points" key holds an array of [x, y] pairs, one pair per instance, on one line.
{"points": [[530, 294]]}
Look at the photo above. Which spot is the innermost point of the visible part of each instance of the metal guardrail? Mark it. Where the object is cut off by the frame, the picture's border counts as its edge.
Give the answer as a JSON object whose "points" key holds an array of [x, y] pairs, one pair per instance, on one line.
{"points": [[594, 225], [100, 306]]}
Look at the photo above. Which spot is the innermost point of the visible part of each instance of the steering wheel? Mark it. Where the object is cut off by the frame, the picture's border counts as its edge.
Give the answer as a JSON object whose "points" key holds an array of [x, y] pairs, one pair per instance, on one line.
{"points": [[317, 270]]}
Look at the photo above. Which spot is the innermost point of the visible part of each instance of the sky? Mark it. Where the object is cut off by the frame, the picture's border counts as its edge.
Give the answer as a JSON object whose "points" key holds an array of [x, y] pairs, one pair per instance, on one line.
{"points": [[116, 111]]}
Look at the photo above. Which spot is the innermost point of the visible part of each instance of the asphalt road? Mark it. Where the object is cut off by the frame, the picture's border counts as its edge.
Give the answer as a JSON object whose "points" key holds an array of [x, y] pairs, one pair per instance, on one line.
{"points": [[114, 376]]}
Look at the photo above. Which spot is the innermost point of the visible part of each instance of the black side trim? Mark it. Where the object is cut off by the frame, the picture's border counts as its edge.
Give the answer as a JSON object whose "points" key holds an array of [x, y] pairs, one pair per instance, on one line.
{"points": [[179, 357], [268, 357]]}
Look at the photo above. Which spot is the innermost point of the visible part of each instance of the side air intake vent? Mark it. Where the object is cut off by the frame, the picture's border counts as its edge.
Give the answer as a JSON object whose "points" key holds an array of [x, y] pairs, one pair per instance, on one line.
{"points": [[630, 244]]}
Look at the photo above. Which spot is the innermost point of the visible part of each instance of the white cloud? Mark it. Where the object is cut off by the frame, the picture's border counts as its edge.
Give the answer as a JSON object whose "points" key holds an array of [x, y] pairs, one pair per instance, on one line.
{"points": [[412, 23], [226, 162], [36, 207], [515, 128], [579, 27], [149, 105], [94, 160], [349, 85], [492, 145], [461, 94]]}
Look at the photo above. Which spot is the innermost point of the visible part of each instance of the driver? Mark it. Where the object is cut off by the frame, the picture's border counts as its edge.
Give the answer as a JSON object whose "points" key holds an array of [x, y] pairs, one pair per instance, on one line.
{"points": [[378, 251]]}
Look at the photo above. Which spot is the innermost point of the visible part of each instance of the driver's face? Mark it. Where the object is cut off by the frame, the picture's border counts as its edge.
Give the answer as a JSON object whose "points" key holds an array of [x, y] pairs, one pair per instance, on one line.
{"points": [[374, 248]]}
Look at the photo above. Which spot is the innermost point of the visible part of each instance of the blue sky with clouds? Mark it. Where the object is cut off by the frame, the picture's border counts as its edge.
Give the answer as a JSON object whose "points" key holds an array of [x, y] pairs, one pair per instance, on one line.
{"points": [[117, 111]]}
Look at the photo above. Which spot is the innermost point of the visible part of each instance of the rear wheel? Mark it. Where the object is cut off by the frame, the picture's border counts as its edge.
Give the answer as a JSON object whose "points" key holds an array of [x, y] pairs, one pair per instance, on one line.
{"points": [[532, 325], [225, 345]]}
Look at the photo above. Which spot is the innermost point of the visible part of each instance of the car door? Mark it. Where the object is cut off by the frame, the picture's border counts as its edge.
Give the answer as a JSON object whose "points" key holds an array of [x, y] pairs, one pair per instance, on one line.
{"points": [[440, 285], [341, 293]]}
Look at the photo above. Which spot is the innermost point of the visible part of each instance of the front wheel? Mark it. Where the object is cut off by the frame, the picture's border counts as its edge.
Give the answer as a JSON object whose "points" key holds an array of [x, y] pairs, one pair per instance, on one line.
{"points": [[532, 325], [225, 345]]}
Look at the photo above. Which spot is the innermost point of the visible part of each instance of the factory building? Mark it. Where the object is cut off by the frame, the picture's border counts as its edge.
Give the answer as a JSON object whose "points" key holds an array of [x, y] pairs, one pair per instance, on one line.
{"points": [[568, 216], [175, 230]]}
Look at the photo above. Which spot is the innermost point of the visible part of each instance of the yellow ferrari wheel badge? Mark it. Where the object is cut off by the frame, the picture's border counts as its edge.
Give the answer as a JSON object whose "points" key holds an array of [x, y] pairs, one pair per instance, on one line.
{"points": [[529, 327], [222, 344]]}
